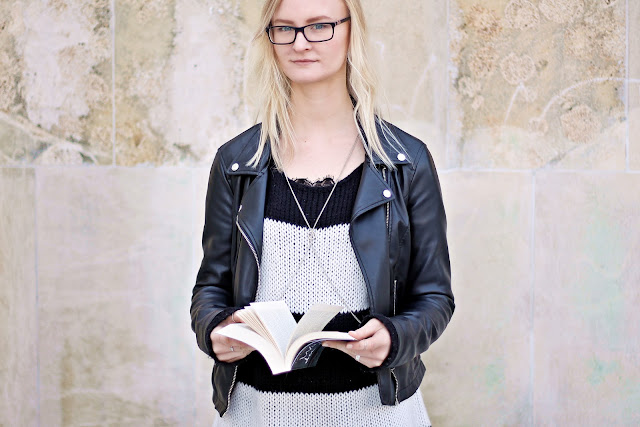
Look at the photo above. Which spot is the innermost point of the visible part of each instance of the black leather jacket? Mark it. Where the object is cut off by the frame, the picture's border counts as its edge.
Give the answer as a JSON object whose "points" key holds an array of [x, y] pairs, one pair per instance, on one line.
{"points": [[398, 233]]}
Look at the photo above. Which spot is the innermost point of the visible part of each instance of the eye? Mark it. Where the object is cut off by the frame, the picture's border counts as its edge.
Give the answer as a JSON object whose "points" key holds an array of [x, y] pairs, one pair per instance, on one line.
{"points": [[319, 27], [283, 29]]}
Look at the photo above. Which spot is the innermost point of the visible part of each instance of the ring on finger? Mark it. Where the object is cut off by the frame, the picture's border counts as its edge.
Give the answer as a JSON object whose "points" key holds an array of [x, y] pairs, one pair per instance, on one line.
{"points": [[232, 349], [357, 357]]}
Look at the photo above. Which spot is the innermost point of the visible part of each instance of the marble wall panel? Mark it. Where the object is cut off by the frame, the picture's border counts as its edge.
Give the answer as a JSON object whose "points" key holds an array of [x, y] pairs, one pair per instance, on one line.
{"points": [[55, 75], [179, 78], [634, 84], [114, 253], [587, 324], [409, 45], [478, 372], [537, 84], [18, 312]]}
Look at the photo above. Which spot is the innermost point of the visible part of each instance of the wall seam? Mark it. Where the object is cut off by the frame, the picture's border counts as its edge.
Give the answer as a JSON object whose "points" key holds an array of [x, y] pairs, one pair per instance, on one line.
{"points": [[447, 141], [626, 89], [532, 295], [584, 171], [113, 82], [37, 299], [192, 257]]}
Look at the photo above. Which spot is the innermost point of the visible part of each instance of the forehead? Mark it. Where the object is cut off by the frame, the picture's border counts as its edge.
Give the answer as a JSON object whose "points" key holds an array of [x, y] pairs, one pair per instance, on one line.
{"points": [[302, 10]]}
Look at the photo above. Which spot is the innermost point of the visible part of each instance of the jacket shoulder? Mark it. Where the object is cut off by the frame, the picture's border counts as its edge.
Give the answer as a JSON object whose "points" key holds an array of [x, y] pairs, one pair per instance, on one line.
{"points": [[413, 146], [242, 145]]}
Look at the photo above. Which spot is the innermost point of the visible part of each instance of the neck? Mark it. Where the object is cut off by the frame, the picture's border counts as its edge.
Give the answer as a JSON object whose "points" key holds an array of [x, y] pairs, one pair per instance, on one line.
{"points": [[324, 109]]}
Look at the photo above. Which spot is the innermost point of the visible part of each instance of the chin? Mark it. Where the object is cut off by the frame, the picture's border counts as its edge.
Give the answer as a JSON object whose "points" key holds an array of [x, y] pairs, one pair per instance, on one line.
{"points": [[302, 80], [309, 76]]}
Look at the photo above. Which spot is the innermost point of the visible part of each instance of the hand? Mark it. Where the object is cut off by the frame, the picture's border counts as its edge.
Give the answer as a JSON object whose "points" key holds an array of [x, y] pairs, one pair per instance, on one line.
{"points": [[227, 349], [373, 345]]}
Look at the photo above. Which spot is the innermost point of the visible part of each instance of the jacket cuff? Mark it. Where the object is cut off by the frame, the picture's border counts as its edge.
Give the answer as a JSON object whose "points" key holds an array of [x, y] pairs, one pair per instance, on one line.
{"points": [[395, 342], [217, 319]]}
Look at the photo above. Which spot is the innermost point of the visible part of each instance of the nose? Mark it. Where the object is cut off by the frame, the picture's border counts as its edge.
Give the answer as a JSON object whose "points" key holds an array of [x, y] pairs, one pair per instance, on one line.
{"points": [[300, 42]]}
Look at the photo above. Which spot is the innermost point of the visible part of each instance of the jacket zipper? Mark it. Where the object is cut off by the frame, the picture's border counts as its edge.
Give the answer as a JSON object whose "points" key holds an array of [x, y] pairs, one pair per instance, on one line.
{"points": [[384, 177], [255, 254], [395, 283]]}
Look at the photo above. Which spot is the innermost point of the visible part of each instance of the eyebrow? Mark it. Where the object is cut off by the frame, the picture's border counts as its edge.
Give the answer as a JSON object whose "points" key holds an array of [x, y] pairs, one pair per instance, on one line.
{"points": [[315, 18]]}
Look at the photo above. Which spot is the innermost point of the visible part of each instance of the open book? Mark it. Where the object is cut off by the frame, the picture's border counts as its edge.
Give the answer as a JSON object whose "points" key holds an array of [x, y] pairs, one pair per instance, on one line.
{"points": [[270, 328]]}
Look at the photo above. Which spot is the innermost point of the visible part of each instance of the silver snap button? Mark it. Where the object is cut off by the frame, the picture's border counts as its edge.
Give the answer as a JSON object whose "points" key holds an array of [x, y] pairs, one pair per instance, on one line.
{"points": [[402, 157], [234, 167], [386, 193]]}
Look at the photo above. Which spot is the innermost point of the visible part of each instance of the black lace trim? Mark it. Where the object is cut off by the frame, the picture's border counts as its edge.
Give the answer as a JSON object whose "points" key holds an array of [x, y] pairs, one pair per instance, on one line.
{"points": [[327, 181]]}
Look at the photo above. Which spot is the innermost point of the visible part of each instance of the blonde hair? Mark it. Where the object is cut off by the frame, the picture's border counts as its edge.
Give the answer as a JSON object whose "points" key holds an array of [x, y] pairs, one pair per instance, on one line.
{"points": [[274, 91]]}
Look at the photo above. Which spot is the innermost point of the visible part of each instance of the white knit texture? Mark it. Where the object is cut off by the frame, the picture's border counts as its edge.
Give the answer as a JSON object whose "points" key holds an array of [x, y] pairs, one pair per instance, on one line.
{"points": [[289, 269], [250, 407]]}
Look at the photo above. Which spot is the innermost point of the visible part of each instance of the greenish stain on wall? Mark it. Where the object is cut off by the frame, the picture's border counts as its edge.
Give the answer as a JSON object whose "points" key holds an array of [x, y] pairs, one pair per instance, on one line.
{"points": [[600, 370], [630, 396], [494, 376], [597, 290]]}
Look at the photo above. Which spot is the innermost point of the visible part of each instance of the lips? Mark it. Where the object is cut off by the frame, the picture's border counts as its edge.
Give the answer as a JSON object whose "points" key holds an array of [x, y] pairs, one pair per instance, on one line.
{"points": [[303, 61]]}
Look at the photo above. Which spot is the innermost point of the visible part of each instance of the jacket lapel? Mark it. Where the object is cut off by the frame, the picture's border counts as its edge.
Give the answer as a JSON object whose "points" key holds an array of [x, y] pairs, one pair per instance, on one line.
{"points": [[251, 211], [368, 231]]}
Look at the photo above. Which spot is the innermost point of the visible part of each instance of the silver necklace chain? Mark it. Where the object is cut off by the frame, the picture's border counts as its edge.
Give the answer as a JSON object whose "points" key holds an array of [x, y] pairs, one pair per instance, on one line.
{"points": [[312, 230]]}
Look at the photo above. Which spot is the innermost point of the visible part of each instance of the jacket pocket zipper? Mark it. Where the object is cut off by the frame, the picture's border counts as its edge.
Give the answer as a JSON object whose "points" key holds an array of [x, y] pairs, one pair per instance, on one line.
{"points": [[395, 293], [393, 372], [233, 383]]}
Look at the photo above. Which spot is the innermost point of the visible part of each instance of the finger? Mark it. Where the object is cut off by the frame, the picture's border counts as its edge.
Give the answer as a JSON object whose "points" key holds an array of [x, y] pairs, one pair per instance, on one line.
{"points": [[366, 345], [367, 330], [233, 356], [338, 345], [367, 361]]}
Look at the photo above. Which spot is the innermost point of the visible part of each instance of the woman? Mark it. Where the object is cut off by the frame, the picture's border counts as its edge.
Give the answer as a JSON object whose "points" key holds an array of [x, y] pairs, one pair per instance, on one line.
{"points": [[323, 202]]}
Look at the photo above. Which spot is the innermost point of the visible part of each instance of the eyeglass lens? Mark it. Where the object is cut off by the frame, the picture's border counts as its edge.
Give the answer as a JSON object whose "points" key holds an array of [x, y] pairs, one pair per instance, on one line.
{"points": [[313, 33]]}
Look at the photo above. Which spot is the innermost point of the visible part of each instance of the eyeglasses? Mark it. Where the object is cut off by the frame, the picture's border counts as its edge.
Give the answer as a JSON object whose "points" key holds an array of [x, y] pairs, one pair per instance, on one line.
{"points": [[314, 33]]}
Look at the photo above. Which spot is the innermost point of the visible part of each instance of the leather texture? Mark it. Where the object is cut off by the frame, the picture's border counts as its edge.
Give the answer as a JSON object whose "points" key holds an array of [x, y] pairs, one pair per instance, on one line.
{"points": [[398, 232]]}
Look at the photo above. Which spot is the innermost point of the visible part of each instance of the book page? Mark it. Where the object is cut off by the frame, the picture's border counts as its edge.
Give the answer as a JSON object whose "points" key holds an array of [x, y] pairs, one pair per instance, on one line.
{"points": [[278, 321], [313, 336], [314, 320], [249, 316], [244, 333]]}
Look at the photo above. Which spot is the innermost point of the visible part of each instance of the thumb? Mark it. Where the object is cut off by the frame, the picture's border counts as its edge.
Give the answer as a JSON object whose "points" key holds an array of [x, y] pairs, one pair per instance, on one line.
{"points": [[370, 328]]}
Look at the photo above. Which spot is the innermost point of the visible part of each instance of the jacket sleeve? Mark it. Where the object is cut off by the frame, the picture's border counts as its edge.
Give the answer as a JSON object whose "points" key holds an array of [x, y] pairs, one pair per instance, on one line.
{"points": [[211, 300], [427, 304]]}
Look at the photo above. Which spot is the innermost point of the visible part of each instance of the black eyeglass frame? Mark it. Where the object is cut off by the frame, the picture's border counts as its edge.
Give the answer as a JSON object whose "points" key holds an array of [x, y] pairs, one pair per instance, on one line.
{"points": [[301, 30]]}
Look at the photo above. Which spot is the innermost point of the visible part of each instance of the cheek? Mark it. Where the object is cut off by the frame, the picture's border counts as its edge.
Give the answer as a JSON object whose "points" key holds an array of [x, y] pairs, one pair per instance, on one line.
{"points": [[279, 56]]}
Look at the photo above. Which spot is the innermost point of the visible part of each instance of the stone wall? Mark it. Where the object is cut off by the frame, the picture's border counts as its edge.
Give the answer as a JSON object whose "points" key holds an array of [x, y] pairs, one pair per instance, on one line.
{"points": [[110, 115]]}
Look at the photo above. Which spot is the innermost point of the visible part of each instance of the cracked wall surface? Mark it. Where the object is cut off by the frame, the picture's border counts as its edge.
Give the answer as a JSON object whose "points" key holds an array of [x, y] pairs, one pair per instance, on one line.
{"points": [[111, 112]]}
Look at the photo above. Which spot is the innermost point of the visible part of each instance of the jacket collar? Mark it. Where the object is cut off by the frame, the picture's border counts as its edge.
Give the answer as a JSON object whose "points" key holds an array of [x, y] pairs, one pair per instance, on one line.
{"points": [[238, 166]]}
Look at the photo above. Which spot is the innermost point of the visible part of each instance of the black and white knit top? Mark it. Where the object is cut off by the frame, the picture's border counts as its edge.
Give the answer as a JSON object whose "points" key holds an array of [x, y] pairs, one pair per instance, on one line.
{"points": [[338, 390]]}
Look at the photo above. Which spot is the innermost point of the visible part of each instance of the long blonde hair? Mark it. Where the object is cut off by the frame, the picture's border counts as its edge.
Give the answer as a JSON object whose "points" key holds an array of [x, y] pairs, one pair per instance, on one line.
{"points": [[274, 91]]}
